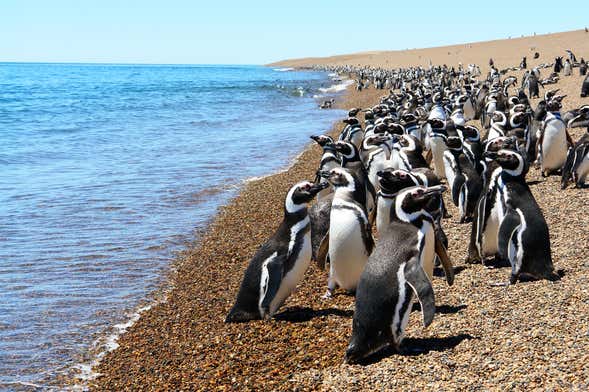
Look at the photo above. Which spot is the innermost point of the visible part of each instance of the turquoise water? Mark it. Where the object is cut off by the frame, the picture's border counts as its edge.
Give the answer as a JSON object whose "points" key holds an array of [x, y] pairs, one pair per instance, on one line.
{"points": [[105, 172]]}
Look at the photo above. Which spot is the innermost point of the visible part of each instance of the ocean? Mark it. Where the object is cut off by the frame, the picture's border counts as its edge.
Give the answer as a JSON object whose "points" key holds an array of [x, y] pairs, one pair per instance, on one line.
{"points": [[106, 172]]}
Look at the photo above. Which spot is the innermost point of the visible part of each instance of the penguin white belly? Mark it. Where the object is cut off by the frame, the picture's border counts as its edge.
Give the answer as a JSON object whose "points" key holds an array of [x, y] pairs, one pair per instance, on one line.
{"points": [[357, 138], [438, 147], [294, 276], [383, 213], [583, 170], [347, 252], [449, 170], [490, 245], [428, 252], [493, 134], [554, 149]]}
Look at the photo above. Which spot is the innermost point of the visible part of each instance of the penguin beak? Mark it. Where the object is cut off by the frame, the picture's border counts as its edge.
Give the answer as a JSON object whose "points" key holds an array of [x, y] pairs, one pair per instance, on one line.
{"points": [[323, 173], [314, 137], [435, 190], [316, 188]]}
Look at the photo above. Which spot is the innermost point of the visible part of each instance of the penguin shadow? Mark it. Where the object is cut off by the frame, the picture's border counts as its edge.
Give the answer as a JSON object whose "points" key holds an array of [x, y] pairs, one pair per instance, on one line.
{"points": [[496, 262], [439, 272], [299, 314], [535, 182], [417, 346], [441, 309]]}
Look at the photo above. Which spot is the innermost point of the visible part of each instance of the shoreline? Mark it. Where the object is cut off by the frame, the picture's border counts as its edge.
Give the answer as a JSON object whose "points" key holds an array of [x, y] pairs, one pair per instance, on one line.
{"points": [[92, 372], [482, 337]]}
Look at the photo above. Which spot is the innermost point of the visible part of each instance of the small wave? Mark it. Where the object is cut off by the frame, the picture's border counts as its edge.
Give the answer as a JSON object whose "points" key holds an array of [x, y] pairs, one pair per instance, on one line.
{"points": [[283, 69], [336, 88]]}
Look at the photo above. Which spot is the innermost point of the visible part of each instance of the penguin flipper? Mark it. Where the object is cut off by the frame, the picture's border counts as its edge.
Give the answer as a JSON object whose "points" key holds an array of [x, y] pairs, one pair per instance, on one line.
{"points": [[422, 287], [507, 241], [446, 262], [275, 269], [322, 252]]}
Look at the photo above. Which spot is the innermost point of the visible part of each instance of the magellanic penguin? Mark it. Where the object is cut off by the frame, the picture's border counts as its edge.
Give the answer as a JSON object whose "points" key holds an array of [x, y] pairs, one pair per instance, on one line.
{"points": [[523, 236], [464, 180], [280, 263], [436, 142], [329, 160], [352, 132], [350, 236], [576, 167], [408, 153], [401, 266], [552, 144]]}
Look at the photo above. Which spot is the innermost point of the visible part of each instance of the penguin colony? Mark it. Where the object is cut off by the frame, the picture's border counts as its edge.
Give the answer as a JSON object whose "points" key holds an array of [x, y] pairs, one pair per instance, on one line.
{"points": [[377, 223]]}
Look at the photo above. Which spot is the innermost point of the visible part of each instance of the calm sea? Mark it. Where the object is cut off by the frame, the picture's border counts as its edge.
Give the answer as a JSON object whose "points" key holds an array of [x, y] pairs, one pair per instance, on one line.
{"points": [[105, 172]]}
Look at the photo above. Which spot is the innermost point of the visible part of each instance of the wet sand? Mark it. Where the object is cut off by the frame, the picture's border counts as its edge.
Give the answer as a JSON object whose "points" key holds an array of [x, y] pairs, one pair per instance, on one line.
{"points": [[531, 335]]}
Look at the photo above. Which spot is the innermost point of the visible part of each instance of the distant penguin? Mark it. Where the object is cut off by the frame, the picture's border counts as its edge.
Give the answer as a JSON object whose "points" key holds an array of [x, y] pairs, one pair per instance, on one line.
{"points": [[464, 180], [576, 167], [350, 236], [552, 143], [401, 267], [582, 67], [472, 146], [280, 263], [567, 68], [585, 87], [533, 83], [523, 236]]}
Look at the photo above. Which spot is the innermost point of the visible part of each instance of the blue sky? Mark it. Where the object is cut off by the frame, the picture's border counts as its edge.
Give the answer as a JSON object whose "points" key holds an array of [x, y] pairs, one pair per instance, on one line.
{"points": [[257, 32]]}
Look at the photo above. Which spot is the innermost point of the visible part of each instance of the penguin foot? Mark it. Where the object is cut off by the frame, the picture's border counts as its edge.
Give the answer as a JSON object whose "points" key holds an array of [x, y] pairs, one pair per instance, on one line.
{"points": [[328, 295]]}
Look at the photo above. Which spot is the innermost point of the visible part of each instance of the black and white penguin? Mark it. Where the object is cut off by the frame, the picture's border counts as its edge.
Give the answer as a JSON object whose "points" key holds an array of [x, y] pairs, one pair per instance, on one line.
{"points": [[350, 236], [436, 136], [408, 153], [280, 263], [523, 236], [401, 266], [585, 87], [576, 167], [329, 160], [352, 132], [463, 178], [553, 139]]}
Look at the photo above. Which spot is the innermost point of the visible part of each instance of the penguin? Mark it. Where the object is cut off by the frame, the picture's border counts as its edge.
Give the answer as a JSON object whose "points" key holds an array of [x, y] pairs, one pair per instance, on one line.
{"points": [[576, 167], [412, 127], [352, 132], [484, 230], [464, 180], [472, 146], [408, 153], [436, 142], [552, 141], [375, 155], [329, 160], [400, 267], [280, 263], [582, 68], [498, 125], [523, 236], [350, 236], [585, 87]]}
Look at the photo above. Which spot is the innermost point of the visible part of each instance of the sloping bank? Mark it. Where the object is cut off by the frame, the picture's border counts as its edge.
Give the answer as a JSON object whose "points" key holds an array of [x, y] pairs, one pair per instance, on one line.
{"points": [[183, 343]]}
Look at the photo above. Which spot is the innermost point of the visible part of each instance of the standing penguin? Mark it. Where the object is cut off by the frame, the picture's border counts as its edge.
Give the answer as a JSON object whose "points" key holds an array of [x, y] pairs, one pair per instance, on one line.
{"points": [[576, 167], [464, 180], [436, 142], [523, 237], [585, 87], [401, 266], [552, 141], [352, 132], [329, 160], [350, 236], [280, 263]]}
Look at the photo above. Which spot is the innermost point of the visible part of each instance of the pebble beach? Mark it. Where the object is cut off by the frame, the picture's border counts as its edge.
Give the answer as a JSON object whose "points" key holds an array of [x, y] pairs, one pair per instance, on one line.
{"points": [[526, 336]]}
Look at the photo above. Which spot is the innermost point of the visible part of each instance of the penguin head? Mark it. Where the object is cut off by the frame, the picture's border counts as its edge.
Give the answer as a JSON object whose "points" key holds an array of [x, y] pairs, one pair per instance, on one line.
{"points": [[500, 143], [512, 162], [517, 119], [409, 143], [302, 193], [322, 140], [392, 181], [411, 203], [396, 128], [348, 151], [369, 115], [364, 342], [436, 123], [454, 143], [499, 118], [409, 118], [353, 112], [471, 133], [376, 139], [351, 121], [339, 178]]}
